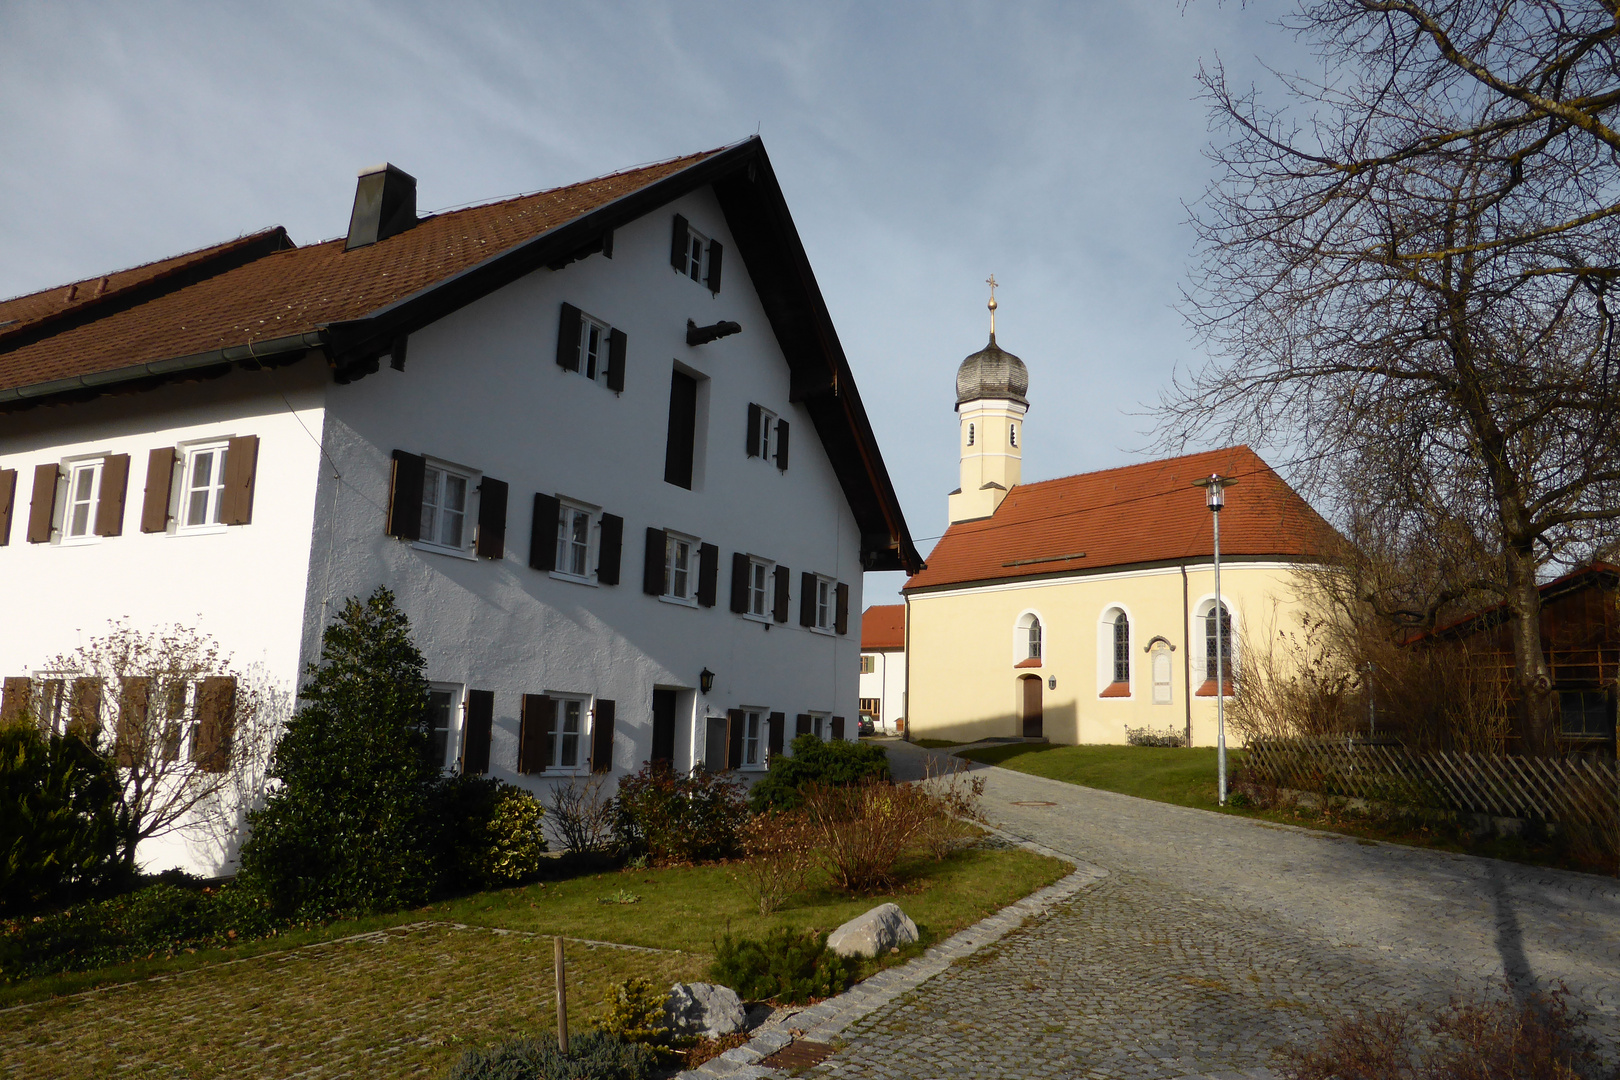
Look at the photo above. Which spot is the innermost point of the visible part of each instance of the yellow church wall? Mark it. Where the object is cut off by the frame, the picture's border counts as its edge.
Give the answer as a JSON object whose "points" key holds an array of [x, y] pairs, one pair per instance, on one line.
{"points": [[964, 645]]}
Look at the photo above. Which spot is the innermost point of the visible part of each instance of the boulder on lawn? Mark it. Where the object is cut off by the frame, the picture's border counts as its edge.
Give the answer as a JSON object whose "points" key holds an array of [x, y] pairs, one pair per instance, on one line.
{"points": [[883, 928], [704, 1009]]}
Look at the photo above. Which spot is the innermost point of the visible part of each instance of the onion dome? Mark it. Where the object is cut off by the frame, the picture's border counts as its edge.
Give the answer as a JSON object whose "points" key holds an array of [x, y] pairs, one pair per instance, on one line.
{"points": [[992, 372]]}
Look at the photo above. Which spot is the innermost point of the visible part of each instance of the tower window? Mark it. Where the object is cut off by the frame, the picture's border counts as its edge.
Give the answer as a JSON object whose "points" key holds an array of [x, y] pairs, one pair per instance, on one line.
{"points": [[970, 435], [1012, 434]]}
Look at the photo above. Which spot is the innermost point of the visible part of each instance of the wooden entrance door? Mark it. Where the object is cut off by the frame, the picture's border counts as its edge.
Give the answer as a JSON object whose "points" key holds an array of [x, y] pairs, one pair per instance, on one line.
{"points": [[1032, 707], [663, 728]]}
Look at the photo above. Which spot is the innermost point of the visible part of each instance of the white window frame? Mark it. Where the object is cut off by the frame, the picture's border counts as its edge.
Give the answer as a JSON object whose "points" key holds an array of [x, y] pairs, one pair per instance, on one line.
{"points": [[190, 452], [697, 256], [1021, 628], [453, 732], [672, 593], [826, 605], [756, 730], [821, 725], [761, 570], [555, 734], [71, 472], [436, 472], [570, 511], [587, 323], [767, 435], [1105, 648], [1203, 665]]}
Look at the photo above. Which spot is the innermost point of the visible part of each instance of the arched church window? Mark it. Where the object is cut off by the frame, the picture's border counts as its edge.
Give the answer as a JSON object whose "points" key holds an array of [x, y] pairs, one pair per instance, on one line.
{"points": [[1122, 648], [1218, 635], [1034, 639], [1027, 641]]}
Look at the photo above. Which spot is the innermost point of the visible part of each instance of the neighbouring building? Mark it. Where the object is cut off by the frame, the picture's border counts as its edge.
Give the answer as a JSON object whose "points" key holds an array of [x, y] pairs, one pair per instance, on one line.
{"points": [[1075, 609], [602, 441], [1580, 638], [883, 667]]}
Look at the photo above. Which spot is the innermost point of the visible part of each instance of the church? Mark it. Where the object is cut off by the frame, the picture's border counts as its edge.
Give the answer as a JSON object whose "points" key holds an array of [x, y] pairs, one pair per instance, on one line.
{"points": [[1078, 609]]}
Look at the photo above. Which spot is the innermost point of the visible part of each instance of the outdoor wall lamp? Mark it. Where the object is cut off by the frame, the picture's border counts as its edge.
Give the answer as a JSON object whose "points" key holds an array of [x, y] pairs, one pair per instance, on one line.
{"points": [[1051, 682], [706, 680]]}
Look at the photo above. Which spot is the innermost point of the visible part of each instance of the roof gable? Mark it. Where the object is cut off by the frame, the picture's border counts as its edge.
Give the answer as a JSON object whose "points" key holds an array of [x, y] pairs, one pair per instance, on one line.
{"points": [[883, 626], [1147, 513]]}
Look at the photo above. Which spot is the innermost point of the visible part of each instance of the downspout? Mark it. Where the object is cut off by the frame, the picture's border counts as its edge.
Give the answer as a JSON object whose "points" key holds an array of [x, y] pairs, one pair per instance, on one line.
{"points": [[905, 695], [1186, 652]]}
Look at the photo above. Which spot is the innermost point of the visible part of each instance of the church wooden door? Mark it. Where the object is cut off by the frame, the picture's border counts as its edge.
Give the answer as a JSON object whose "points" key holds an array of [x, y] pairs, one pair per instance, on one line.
{"points": [[1032, 707]]}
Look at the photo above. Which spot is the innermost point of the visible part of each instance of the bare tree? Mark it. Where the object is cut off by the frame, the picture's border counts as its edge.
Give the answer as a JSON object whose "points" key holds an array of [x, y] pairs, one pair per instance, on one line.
{"points": [[1404, 275], [187, 731]]}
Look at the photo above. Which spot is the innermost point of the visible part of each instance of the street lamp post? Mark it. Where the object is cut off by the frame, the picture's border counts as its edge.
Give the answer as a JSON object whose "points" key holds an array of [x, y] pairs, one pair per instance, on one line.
{"points": [[1215, 486]]}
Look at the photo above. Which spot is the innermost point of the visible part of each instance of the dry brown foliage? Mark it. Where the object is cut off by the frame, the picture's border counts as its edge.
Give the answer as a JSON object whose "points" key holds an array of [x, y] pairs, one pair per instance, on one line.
{"points": [[580, 815], [1537, 1038], [862, 830], [956, 793], [779, 856]]}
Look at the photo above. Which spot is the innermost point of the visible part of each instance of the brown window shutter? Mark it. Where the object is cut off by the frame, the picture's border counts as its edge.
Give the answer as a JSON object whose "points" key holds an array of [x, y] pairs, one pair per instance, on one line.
{"points": [[42, 510], [568, 331], [779, 610], [491, 518], [801, 725], [681, 445], [610, 549], [241, 466], [14, 697], [602, 736], [807, 599], [543, 533], [708, 574], [405, 496], [216, 722], [110, 504], [475, 734], [715, 252], [734, 737], [618, 343], [678, 242], [84, 708], [753, 430], [778, 726], [130, 729], [781, 444], [159, 486], [841, 615], [739, 582], [8, 495], [534, 722], [652, 567], [838, 729]]}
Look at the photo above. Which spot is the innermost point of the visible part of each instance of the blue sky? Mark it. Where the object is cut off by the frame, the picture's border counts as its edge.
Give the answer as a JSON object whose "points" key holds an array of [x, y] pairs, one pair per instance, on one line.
{"points": [[921, 146]]}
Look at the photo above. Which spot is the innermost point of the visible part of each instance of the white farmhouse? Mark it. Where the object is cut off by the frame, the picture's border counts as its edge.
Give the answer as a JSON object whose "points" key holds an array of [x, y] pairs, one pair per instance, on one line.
{"points": [[602, 441], [883, 667]]}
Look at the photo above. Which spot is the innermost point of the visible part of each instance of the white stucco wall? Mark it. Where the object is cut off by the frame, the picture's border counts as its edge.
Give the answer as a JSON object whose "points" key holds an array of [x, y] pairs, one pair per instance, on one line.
{"points": [[482, 389], [243, 585], [887, 683]]}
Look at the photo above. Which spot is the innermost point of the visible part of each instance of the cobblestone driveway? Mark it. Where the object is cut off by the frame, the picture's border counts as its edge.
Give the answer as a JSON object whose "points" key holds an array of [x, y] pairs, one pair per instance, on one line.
{"points": [[1215, 940]]}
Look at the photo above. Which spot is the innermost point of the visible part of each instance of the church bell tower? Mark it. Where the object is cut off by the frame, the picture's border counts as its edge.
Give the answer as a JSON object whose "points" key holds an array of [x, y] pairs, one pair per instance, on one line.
{"points": [[990, 407]]}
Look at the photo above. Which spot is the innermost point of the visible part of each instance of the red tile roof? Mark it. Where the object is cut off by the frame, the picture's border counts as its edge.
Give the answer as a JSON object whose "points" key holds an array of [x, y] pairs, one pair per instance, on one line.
{"points": [[1147, 513], [299, 289], [883, 626]]}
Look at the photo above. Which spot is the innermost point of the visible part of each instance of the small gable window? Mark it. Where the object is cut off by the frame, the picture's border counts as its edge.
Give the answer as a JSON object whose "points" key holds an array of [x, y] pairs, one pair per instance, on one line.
{"points": [[590, 347], [695, 255]]}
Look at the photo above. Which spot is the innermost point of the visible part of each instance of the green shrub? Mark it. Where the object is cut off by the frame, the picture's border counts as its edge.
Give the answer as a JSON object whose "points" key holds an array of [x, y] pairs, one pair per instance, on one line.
{"points": [[595, 1055], [672, 818], [788, 966], [61, 827], [636, 1014], [814, 761], [160, 919], [490, 832], [349, 828]]}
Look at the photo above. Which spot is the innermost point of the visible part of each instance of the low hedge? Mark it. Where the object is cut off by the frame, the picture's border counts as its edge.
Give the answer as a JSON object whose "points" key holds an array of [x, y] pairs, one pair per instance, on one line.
{"points": [[814, 761]]}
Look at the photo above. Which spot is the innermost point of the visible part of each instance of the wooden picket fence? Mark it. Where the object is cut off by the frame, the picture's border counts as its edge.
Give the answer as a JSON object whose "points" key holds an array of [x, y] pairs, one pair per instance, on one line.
{"points": [[1568, 789]]}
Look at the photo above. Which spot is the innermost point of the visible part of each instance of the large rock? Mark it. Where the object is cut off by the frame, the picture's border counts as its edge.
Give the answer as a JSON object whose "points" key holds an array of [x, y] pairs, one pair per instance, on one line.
{"points": [[879, 930], [704, 1009]]}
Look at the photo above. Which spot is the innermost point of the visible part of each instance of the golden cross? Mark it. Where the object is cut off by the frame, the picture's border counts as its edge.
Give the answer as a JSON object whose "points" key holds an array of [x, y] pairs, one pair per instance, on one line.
{"points": [[991, 281]]}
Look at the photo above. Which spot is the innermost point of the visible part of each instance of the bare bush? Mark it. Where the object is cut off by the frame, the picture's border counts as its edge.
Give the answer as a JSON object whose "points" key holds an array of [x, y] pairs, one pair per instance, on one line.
{"points": [[1537, 1038], [580, 814], [862, 830], [778, 857], [957, 795]]}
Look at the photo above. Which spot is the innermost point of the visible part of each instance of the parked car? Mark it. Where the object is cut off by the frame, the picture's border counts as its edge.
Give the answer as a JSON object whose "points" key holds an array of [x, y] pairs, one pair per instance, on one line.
{"points": [[865, 726]]}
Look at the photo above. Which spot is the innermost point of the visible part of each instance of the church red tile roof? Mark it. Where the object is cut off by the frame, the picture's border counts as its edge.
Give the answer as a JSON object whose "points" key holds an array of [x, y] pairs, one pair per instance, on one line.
{"points": [[289, 291], [1148, 513], [883, 626]]}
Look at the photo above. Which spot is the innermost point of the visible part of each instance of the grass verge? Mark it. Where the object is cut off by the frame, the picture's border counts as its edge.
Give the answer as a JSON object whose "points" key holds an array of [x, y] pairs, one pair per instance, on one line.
{"points": [[407, 1000]]}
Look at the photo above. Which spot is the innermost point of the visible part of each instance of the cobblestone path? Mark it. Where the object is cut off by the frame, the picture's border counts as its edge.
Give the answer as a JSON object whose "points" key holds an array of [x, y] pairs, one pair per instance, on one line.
{"points": [[1214, 941]]}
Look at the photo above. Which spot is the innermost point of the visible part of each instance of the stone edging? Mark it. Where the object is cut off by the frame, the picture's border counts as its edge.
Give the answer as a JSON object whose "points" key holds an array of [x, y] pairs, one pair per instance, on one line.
{"points": [[824, 1021]]}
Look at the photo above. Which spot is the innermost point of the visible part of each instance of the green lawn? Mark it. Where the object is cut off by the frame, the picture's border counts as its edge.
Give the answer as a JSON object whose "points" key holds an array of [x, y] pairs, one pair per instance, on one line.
{"points": [[1185, 777]]}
